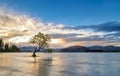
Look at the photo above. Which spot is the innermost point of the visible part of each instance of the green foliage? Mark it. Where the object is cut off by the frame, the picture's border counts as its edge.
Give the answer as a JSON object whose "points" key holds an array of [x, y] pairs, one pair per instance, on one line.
{"points": [[2, 50], [1, 44], [14, 48], [7, 47], [39, 41], [49, 51]]}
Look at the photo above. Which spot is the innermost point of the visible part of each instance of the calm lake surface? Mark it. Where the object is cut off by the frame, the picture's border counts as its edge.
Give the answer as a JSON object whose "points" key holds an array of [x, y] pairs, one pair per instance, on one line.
{"points": [[60, 64]]}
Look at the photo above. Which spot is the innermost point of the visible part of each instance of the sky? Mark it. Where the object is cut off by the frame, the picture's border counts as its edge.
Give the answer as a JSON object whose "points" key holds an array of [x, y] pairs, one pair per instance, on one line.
{"points": [[68, 22]]}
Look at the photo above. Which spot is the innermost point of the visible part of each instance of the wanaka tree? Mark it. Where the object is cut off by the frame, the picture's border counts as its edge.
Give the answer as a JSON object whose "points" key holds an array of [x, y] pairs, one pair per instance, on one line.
{"points": [[39, 41]]}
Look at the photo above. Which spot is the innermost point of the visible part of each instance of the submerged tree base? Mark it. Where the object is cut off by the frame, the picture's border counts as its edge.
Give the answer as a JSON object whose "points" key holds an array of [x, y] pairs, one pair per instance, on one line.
{"points": [[34, 55]]}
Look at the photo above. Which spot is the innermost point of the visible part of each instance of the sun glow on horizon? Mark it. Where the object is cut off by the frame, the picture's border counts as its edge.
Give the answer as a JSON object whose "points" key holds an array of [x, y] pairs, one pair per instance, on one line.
{"points": [[57, 41]]}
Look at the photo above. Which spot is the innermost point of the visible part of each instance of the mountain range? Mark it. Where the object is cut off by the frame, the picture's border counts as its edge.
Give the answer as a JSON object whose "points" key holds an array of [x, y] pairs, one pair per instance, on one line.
{"points": [[78, 49], [92, 49]]}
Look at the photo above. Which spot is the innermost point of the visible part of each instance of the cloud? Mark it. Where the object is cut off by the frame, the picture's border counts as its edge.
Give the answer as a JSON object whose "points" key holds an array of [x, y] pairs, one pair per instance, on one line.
{"points": [[63, 35], [19, 27], [104, 27]]}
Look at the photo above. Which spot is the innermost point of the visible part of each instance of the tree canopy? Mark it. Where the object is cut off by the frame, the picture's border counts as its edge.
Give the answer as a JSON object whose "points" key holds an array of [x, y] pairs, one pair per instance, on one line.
{"points": [[39, 41]]}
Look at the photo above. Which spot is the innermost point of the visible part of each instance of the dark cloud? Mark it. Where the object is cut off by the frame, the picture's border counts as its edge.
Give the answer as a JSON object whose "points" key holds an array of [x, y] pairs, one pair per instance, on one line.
{"points": [[89, 38], [107, 38], [108, 27], [113, 37], [116, 34], [104, 27]]}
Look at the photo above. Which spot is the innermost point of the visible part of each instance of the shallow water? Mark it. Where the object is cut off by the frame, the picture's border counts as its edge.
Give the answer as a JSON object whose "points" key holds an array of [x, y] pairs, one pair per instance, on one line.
{"points": [[60, 64]]}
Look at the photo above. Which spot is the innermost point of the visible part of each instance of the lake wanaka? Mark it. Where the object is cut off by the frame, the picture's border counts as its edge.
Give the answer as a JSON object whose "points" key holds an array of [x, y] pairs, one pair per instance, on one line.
{"points": [[60, 64]]}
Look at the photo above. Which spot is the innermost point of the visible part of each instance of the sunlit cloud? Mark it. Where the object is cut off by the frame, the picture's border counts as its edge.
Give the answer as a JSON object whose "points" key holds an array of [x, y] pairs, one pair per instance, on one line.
{"points": [[57, 41], [19, 27]]}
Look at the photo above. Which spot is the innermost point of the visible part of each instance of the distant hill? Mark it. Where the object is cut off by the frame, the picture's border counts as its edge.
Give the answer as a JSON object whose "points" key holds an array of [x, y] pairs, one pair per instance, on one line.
{"points": [[26, 49], [112, 48], [91, 49], [96, 48], [75, 49], [30, 49], [106, 48]]}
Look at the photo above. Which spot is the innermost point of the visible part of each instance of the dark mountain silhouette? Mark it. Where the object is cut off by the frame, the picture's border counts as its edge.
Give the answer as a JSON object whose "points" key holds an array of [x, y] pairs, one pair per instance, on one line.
{"points": [[75, 49], [112, 48], [96, 48], [92, 49], [105, 48]]}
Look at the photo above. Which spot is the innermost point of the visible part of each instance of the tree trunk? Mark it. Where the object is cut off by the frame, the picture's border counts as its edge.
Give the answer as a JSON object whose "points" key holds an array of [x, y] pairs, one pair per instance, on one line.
{"points": [[34, 53]]}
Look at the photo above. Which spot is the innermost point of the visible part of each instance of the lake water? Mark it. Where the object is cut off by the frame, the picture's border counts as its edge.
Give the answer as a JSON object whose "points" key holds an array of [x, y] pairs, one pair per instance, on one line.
{"points": [[60, 64]]}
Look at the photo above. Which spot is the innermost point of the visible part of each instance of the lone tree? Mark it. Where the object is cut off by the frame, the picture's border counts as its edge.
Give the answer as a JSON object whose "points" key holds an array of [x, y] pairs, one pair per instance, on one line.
{"points": [[39, 41]]}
